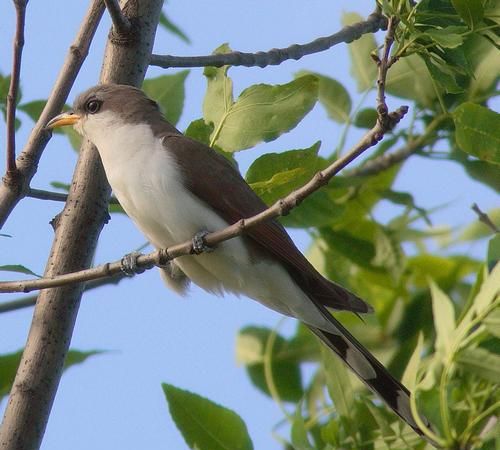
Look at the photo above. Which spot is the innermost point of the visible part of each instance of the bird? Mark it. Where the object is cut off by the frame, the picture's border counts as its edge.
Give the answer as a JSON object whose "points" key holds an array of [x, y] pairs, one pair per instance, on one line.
{"points": [[176, 189]]}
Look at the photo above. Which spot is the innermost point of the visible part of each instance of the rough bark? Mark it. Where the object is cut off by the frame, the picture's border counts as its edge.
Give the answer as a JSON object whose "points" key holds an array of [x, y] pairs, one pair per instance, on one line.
{"points": [[77, 230]]}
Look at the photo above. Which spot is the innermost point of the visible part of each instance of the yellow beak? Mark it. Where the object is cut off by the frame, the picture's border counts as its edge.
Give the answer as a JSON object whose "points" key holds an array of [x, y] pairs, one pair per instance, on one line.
{"points": [[66, 118]]}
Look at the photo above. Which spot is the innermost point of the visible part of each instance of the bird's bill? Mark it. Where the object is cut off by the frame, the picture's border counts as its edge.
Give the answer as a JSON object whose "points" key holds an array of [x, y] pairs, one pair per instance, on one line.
{"points": [[66, 118]]}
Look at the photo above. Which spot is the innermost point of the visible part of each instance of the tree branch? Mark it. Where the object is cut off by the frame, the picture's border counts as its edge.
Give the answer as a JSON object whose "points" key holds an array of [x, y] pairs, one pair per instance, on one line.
{"points": [[383, 66], [41, 194], [73, 248], [375, 22], [20, 6], [163, 256], [121, 23], [12, 190], [27, 302]]}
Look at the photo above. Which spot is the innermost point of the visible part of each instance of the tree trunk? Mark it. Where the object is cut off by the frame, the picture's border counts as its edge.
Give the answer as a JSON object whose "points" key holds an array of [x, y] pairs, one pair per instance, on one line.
{"points": [[77, 231]]}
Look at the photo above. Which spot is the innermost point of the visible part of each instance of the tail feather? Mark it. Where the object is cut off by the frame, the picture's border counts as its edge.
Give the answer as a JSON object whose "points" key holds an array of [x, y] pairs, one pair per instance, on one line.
{"points": [[369, 370]]}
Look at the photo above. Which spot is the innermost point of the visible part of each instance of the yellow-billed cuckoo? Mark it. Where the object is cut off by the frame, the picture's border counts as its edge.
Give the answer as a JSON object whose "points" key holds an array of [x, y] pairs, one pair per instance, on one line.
{"points": [[173, 187]]}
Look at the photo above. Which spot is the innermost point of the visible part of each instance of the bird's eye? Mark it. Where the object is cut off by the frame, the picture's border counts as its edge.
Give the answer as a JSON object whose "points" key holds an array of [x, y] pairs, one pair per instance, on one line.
{"points": [[93, 106]]}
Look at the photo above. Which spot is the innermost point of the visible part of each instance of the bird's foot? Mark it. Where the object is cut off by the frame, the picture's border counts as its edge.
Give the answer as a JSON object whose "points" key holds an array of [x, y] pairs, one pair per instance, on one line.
{"points": [[198, 243], [128, 264]]}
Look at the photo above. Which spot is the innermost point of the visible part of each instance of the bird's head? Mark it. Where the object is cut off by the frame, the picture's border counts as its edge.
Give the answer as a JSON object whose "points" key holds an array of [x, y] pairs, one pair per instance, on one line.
{"points": [[104, 108]]}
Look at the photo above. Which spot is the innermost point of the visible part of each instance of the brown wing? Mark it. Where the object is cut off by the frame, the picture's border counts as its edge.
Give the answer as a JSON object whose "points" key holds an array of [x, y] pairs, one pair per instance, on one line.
{"points": [[213, 179]]}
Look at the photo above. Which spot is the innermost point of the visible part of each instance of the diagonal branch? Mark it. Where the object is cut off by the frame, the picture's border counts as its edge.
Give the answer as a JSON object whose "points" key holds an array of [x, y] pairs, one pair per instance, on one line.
{"points": [[375, 22], [12, 190], [121, 24], [163, 256], [20, 6]]}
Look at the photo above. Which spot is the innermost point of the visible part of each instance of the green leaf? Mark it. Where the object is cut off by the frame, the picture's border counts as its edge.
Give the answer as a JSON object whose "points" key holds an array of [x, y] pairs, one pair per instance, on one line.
{"points": [[304, 345], [168, 92], [478, 131], [275, 175], [299, 432], [481, 171], [338, 382], [219, 96], [444, 319], [166, 23], [4, 90], [59, 185], [317, 210], [366, 118], [33, 109], [358, 250], [333, 96], [489, 291], [471, 11], [383, 424], [410, 376], [444, 271], [447, 37], [480, 362], [410, 78], [204, 424], [485, 60], [18, 268], [114, 208], [251, 347], [388, 252], [77, 357], [493, 257], [443, 76], [10, 362], [363, 68], [264, 112], [200, 131], [492, 322]]}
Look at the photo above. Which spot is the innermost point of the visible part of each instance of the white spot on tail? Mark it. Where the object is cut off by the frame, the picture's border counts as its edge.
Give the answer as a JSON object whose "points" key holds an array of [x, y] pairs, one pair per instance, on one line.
{"points": [[359, 363]]}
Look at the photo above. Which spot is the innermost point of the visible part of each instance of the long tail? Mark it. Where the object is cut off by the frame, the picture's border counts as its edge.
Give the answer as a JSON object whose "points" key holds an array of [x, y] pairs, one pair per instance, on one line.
{"points": [[369, 370]]}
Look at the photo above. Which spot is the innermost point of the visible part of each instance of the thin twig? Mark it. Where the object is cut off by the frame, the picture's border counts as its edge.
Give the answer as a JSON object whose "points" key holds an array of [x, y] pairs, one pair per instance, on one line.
{"points": [[121, 24], [20, 6], [27, 302], [372, 24], [163, 256], [483, 217], [41, 194], [383, 66], [12, 190]]}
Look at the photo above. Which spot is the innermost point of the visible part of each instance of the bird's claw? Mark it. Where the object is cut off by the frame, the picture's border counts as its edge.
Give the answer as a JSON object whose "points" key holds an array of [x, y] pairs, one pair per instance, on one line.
{"points": [[128, 264], [198, 243]]}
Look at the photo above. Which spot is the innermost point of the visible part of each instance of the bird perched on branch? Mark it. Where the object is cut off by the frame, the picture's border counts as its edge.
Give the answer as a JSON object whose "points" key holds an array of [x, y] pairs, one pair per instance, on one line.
{"points": [[175, 188]]}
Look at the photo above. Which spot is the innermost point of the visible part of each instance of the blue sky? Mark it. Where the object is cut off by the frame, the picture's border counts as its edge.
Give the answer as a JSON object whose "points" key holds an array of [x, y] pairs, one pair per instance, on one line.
{"points": [[115, 400]]}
